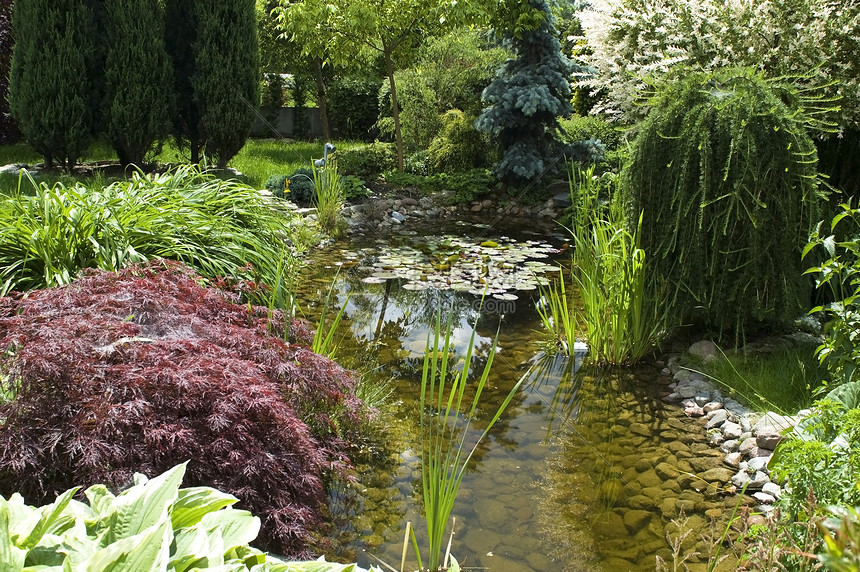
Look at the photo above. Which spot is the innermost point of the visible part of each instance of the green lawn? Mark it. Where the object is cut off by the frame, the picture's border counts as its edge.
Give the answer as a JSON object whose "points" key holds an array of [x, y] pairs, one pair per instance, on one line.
{"points": [[257, 161]]}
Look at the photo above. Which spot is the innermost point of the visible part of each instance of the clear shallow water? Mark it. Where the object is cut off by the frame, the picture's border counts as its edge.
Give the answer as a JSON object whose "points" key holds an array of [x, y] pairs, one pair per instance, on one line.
{"points": [[584, 471]]}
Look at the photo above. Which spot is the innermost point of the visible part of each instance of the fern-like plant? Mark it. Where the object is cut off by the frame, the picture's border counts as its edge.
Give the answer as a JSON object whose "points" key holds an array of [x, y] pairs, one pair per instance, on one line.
{"points": [[725, 173]]}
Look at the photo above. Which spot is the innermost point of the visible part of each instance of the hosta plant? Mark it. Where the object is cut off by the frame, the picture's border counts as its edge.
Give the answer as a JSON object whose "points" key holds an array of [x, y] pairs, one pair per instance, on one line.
{"points": [[152, 526]]}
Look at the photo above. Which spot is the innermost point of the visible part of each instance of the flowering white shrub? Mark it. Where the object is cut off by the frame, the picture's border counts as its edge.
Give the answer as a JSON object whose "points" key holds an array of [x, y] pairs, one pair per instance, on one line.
{"points": [[817, 42]]}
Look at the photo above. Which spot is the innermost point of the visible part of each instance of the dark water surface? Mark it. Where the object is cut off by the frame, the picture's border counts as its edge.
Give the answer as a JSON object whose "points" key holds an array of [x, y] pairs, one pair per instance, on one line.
{"points": [[584, 471]]}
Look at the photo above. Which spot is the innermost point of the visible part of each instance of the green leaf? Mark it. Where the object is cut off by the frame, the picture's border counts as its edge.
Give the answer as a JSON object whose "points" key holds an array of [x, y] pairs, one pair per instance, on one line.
{"points": [[145, 504], [193, 503], [11, 557], [848, 394], [49, 515], [237, 527], [147, 551]]}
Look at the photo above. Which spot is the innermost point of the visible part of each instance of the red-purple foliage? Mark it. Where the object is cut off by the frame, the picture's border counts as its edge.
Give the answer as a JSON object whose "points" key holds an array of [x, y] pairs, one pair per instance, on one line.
{"points": [[142, 369]]}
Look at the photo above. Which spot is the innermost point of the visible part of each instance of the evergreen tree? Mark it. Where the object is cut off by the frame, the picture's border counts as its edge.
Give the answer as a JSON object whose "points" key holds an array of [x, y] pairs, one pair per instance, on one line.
{"points": [[226, 79], [725, 176], [53, 93], [180, 33], [526, 99], [7, 126], [137, 78]]}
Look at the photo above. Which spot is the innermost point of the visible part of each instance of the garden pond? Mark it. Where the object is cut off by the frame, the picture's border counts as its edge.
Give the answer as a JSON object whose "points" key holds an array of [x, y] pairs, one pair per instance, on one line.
{"points": [[585, 470]]}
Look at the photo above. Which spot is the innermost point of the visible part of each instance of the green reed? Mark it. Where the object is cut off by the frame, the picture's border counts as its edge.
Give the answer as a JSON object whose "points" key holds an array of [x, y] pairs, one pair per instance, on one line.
{"points": [[445, 429]]}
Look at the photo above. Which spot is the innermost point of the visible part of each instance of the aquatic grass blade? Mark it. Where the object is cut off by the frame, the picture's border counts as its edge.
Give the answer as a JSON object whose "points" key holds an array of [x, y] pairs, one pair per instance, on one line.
{"points": [[445, 451]]}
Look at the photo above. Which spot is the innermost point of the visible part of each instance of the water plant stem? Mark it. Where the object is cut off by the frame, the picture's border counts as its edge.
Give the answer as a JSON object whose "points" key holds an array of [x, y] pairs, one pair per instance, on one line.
{"points": [[445, 430]]}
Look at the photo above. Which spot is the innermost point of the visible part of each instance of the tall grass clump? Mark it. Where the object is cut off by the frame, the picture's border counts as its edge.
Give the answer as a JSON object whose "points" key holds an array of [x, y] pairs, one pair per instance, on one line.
{"points": [[785, 380], [619, 309], [329, 199], [557, 314], [445, 430], [220, 228]]}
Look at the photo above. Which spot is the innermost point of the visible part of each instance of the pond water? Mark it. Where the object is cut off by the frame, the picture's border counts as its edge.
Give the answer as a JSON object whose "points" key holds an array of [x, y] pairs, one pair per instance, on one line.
{"points": [[586, 469]]}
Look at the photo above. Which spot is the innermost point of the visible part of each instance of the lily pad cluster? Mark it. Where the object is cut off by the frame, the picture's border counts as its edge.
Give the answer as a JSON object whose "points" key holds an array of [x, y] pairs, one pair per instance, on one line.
{"points": [[493, 267]]}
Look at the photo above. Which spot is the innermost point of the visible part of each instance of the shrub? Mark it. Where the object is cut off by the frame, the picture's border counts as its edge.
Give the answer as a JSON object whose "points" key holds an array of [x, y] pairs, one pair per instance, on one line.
{"points": [[419, 118], [526, 99], [581, 128], [838, 273], [302, 189], [53, 91], [150, 524], [459, 146], [137, 79], [367, 161], [725, 174], [353, 107], [139, 370]]}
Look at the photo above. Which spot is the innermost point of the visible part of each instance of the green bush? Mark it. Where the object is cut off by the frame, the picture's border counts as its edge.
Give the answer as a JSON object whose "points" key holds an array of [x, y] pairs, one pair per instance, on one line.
{"points": [[215, 226], [839, 276], [277, 185], [353, 107], [725, 174], [580, 128], [459, 146], [419, 118], [822, 454], [151, 526], [301, 189], [368, 161], [226, 80]]}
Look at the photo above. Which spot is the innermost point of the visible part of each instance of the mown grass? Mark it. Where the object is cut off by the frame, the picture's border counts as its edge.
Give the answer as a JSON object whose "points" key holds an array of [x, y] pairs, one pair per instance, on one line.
{"points": [[258, 160], [785, 380]]}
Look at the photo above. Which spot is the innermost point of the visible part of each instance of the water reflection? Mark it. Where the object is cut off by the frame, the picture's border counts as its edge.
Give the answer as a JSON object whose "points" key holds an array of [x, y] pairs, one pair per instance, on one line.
{"points": [[582, 472]]}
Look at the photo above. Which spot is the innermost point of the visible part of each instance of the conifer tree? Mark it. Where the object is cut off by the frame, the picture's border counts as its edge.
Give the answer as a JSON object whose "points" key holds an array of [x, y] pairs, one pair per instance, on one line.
{"points": [[226, 79], [527, 97], [137, 78], [52, 91], [7, 126], [180, 32]]}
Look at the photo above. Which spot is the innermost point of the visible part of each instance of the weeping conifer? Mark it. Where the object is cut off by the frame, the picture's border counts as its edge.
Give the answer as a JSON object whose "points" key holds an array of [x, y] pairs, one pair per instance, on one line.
{"points": [[725, 175], [137, 78]]}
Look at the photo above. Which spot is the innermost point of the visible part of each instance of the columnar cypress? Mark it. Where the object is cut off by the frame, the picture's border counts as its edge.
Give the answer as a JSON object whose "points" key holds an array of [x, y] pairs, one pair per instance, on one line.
{"points": [[226, 80], [137, 78], [52, 93], [180, 32], [526, 99], [7, 126]]}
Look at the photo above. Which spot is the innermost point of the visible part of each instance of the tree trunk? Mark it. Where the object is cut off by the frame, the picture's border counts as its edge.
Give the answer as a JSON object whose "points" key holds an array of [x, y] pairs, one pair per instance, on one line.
{"points": [[395, 108], [321, 98]]}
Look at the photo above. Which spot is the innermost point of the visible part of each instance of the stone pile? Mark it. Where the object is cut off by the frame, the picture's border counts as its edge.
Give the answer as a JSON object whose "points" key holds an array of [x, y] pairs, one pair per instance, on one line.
{"points": [[746, 438]]}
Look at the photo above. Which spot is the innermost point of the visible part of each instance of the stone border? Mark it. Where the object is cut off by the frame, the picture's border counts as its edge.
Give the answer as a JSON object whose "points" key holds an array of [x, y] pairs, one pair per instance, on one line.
{"points": [[747, 438]]}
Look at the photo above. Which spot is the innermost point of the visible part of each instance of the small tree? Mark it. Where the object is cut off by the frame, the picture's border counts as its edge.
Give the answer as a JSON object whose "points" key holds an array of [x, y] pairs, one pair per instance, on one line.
{"points": [[226, 79], [528, 96], [137, 78], [724, 174], [52, 92]]}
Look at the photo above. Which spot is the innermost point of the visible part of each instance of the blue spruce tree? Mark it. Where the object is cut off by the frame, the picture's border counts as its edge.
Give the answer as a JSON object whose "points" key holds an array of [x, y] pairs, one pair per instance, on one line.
{"points": [[526, 99]]}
